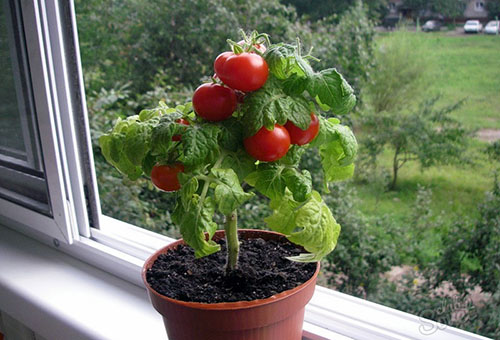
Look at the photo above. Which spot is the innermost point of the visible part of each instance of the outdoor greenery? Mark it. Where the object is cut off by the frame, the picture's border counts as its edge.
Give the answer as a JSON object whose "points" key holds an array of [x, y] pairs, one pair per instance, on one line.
{"points": [[439, 225]]}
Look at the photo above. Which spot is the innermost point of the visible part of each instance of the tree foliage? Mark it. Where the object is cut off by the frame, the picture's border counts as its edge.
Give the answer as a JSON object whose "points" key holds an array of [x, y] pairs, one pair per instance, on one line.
{"points": [[493, 7], [325, 8], [392, 118]]}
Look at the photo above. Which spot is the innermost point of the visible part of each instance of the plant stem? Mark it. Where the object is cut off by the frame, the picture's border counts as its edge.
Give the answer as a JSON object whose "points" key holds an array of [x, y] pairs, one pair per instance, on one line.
{"points": [[233, 245]]}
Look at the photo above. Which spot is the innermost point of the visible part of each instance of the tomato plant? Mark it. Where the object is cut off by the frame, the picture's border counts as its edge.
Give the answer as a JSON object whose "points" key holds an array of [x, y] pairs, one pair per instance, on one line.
{"points": [[214, 102], [301, 137], [264, 95], [164, 177], [245, 71], [268, 145], [177, 138]]}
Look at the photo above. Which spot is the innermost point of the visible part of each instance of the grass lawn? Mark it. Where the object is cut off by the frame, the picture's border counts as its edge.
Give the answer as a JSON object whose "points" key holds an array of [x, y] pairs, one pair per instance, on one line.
{"points": [[465, 66]]}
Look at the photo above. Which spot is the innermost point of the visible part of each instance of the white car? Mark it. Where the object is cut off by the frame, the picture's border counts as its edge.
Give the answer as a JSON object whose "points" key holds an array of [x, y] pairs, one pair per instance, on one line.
{"points": [[493, 27], [473, 26]]}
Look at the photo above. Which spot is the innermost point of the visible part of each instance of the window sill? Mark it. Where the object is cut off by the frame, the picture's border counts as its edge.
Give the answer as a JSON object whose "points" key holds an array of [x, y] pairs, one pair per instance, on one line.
{"points": [[69, 299]]}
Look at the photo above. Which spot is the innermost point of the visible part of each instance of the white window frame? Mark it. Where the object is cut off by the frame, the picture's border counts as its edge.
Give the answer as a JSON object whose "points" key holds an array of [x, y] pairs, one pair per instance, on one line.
{"points": [[116, 247]]}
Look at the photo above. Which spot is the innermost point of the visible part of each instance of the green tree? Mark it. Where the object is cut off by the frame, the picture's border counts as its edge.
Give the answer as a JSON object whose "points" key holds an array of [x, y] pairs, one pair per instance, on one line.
{"points": [[417, 7], [427, 135], [449, 8], [392, 117], [347, 44], [493, 7], [325, 8]]}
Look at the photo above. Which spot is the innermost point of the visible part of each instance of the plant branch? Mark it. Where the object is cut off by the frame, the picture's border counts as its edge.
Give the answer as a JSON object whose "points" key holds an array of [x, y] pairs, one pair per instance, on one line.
{"points": [[233, 245]]}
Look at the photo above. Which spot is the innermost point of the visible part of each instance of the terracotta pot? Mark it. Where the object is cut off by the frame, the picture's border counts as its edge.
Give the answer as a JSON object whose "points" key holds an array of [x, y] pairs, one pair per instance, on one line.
{"points": [[279, 317]]}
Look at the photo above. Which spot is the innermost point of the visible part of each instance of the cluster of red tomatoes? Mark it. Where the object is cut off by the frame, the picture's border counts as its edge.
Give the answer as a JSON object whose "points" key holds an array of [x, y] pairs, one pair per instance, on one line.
{"points": [[239, 73]]}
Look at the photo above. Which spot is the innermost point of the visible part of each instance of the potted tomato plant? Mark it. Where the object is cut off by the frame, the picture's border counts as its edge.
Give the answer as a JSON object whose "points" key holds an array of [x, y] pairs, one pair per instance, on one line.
{"points": [[244, 133]]}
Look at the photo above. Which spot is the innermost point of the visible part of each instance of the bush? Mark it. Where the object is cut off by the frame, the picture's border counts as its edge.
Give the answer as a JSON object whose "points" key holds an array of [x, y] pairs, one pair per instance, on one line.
{"points": [[133, 41], [346, 42]]}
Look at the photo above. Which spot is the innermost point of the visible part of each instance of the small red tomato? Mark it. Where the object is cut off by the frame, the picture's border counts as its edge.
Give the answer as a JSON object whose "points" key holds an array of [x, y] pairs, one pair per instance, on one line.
{"points": [[301, 137], [214, 102], [182, 121], [219, 62], [245, 71], [164, 177], [268, 145]]}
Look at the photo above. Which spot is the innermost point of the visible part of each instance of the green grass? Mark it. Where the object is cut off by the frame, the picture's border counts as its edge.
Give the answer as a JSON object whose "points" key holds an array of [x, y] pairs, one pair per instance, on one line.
{"points": [[467, 67], [463, 66]]}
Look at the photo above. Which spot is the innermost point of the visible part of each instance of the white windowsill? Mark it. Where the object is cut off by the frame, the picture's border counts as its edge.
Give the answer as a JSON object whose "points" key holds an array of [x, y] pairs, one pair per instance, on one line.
{"points": [[60, 297]]}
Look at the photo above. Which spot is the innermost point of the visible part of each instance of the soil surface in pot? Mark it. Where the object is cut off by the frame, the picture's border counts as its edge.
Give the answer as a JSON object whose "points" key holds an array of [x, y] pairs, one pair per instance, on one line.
{"points": [[262, 271]]}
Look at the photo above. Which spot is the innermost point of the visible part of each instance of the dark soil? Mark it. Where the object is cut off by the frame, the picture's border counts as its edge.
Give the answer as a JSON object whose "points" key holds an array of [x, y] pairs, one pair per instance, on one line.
{"points": [[262, 272]]}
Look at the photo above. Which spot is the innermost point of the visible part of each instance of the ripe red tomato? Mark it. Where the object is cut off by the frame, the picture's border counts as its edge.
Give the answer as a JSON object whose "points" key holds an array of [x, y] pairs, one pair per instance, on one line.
{"points": [[268, 145], [301, 137], [164, 177], [214, 102], [182, 121], [245, 71]]}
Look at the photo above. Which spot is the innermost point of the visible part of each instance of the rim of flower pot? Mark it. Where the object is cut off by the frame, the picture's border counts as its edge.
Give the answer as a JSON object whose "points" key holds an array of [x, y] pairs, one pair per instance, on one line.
{"points": [[223, 305]]}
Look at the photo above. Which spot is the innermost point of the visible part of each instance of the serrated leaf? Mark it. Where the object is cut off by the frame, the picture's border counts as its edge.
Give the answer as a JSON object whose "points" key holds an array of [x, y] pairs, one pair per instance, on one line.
{"points": [[270, 105], [337, 147], [162, 133], [112, 150], [194, 221], [333, 90], [310, 225], [240, 162], [228, 193], [280, 59], [231, 135], [136, 143], [293, 156], [268, 180], [272, 180], [189, 186], [299, 183], [295, 85], [147, 164], [200, 144]]}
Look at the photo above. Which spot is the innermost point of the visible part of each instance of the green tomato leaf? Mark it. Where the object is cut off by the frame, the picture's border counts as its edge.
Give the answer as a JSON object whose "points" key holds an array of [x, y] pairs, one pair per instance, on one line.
{"points": [[229, 194], [148, 163], [330, 88], [189, 186], [240, 162], [270, 105], [283, 218], [162, 133], [268, 180], [136, 143], [293, 156], [281, 60], [272, 180], [337, 147], [200, 144], [299, 183], [231, 135], [194, 220], [309, 224], [113, 151]]}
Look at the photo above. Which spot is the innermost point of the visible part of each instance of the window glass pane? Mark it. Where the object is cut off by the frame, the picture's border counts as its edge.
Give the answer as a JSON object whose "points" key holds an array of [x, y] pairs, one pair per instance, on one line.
{"points": [[403, 229], [17, 134], [21, 171]]}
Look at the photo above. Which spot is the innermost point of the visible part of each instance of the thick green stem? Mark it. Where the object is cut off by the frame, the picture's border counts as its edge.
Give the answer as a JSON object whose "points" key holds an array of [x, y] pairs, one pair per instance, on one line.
{"points": [[233, 245]]}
